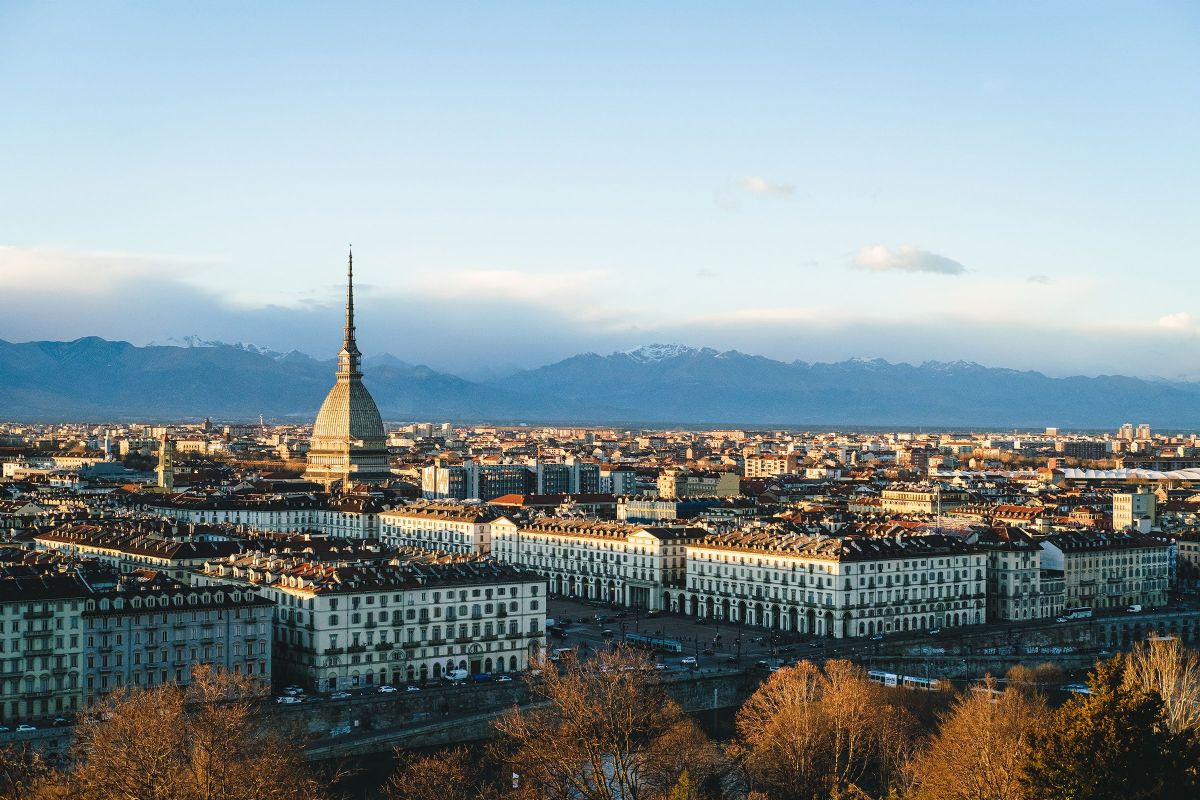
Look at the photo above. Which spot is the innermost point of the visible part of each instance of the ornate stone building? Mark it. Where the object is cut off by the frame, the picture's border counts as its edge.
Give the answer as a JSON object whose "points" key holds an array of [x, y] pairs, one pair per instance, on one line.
{"points": [[348, 444]]}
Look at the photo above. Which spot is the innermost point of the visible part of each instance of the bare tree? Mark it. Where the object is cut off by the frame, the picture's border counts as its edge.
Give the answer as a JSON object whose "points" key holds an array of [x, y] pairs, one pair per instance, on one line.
{"points": [[1165, 668], [455, 774], [1034, 679], [813, 733], [597, 733], [202, 742], [981, 748]]}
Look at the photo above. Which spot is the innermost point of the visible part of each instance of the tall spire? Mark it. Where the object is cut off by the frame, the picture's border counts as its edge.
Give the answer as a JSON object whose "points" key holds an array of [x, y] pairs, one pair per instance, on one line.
{"points": [[348, 357], [349, 341]]}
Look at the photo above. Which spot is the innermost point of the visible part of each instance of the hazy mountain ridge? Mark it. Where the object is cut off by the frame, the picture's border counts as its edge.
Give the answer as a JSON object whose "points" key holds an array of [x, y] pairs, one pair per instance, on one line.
{"points": [[95, 378]]}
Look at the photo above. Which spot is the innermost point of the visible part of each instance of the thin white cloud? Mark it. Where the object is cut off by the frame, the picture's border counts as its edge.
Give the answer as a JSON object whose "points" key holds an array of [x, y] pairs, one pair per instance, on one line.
{"points": [[905, 258], [1042, 279], [756, 184], [541, 288], [88, 271]]}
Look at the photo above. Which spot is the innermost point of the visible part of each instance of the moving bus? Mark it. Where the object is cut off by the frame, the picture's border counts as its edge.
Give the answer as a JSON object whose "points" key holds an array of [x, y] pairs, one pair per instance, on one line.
{"points": [[647, 642], [1082, 612]]}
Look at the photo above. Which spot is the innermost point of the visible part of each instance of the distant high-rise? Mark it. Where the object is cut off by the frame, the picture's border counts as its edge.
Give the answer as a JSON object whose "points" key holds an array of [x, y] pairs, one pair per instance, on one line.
{"points": [[348, 444]]}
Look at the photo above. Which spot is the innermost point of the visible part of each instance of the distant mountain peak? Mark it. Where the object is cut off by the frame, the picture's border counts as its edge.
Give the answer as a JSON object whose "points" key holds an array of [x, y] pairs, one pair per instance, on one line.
{"points": [[951, 366], [197, 341], [652, 353]]}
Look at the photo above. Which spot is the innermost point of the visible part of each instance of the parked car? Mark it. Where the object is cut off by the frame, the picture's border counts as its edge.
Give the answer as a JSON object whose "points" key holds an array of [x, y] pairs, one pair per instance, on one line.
{"points": [[385, 689], [339, 696], [1136, 608], [935, 631], [708, 651], [688, 661], [25, 727], [411, 688], [4, 729], [659, 665], [287, 699], [606, 633], [878, 637], [481, 677], [60, 721], [504, 679]]}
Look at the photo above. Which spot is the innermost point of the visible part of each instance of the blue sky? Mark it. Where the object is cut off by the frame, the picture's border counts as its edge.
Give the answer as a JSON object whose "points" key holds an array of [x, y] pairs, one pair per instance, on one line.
{"points": [[1010, 183]]}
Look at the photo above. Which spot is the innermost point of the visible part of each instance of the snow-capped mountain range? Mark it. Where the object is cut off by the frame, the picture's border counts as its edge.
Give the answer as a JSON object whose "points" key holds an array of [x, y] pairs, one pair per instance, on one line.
{"points": [[653, 384]]}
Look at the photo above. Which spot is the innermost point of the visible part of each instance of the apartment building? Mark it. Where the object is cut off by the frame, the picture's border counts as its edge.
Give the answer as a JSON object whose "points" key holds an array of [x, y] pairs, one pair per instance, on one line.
{"points": [[921, 499], [439, 525], [352, 516], [1133, 510], [129, 547], [836, 587], [473, 481], [572, 477], [1187, 547], [629, 565], [1103, 570], [341, 625], [1015, 588], [679, 482], [145, 629], [41, 643], [770, 464]]}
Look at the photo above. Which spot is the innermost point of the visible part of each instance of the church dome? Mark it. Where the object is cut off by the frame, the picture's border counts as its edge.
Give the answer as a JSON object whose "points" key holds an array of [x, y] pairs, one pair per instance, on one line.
{"points": [[349, 413]]}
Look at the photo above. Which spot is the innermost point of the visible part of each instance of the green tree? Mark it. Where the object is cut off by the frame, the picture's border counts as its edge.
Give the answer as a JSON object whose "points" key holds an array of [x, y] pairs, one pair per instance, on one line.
{"points": [[1113, 744]]}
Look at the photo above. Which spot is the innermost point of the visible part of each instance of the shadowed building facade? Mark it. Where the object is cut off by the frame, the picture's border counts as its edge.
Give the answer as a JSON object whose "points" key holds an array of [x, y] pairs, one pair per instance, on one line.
{"points": [[348, 444]]}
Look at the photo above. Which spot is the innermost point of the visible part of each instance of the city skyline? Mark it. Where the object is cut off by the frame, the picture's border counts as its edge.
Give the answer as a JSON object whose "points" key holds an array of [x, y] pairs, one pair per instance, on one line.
{"points": [[932, 183]]}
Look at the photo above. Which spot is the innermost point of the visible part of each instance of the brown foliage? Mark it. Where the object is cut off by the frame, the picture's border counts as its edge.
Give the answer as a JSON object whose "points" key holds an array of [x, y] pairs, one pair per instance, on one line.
{"points": [[449, 775], [1034, 680], [198, 743], [980, 750], [604, 730], [819, 733], [26, 775]]}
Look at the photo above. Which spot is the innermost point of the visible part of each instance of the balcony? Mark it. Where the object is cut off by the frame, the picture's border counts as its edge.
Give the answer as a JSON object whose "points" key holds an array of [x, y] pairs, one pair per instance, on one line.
{"points": [[356, 648], [38, 651], [38, 614], [462, 639], [437, 640], [38, 695], [334, 651], [384, 646]]}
